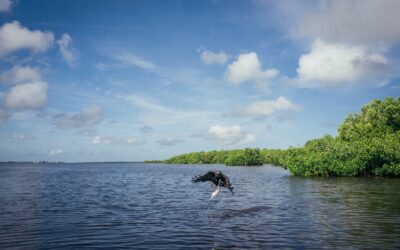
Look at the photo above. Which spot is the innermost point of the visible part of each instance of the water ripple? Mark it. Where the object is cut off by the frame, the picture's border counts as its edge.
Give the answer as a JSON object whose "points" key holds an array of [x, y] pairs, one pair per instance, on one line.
{"points": [[150, 206]]}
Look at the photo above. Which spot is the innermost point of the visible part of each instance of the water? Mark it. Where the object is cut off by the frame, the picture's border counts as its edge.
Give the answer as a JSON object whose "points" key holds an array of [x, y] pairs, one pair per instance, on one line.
{"points": [[150, 206]]}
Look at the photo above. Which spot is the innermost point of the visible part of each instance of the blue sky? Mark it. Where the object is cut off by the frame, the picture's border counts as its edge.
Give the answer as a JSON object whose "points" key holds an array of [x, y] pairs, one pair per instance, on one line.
{"points": [[135, 80]]}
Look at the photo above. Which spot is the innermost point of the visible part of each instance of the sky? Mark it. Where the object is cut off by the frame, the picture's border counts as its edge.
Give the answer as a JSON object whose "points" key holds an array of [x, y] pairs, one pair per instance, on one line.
{"points": [[127, 80]]}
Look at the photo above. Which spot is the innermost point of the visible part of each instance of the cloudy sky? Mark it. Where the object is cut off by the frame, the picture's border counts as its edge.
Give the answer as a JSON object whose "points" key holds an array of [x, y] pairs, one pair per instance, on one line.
{"points": [[134, 80]]}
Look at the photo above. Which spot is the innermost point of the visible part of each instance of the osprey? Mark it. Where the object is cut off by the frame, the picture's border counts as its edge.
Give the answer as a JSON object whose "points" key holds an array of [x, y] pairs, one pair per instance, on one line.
{"points": [[217, 178]]}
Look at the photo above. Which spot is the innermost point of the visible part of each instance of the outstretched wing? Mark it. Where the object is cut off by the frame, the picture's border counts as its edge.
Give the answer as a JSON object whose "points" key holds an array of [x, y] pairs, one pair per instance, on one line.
{"points": [[209, 176], [226, 182]]}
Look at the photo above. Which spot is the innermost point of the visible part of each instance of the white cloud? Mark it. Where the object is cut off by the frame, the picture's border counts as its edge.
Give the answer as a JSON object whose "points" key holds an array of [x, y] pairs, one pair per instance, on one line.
{"points": [[208, 57], [267, 108], [55, 151], [246, 68], [99, 140], [229, 135], [89, 117], [336, 64], [5, 5], [136, 61], [355, 21], [96, 140], [27, 96], [20, 74], [14, 37], [66, 50], [114, 140], [362, 32]]}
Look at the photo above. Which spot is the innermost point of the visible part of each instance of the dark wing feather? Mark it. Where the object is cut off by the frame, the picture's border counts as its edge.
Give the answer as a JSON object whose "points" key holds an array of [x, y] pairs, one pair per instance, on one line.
{"points": [[225, 182], [209, 176]]}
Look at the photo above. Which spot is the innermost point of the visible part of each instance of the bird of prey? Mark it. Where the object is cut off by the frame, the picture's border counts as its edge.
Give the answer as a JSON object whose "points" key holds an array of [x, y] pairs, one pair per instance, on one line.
{"points": [[217, 178]]}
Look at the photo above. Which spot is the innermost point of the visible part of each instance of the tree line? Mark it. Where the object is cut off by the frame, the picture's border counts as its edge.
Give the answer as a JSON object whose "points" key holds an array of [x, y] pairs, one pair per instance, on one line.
{"points": [[367, 144]]}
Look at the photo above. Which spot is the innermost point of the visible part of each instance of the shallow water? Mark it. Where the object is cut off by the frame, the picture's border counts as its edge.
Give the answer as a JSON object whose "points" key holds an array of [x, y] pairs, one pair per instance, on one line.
{"points": [[151, 206]]}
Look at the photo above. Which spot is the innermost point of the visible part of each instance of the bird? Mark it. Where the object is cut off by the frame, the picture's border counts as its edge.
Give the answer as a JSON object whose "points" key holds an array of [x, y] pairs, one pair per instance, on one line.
{"points": [[217, 178]]}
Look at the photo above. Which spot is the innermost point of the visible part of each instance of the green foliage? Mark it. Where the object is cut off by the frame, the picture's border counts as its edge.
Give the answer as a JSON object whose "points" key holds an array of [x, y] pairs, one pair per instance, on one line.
{"points": [[368, 144], [273, 156], [246, 157], [242, 157], [377, 118], [199, 158]]}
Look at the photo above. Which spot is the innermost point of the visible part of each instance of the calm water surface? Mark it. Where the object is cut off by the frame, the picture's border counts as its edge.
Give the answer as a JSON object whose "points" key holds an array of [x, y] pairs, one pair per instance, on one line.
{"points": [[150, 206]]}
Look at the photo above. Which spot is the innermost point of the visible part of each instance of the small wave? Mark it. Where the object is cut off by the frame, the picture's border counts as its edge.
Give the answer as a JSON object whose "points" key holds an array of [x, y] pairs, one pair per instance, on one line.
{"points": [[231, 213]]}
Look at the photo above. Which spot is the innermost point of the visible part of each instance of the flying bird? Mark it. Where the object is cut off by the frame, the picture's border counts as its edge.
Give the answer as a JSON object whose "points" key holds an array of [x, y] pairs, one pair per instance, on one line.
{"points": [[217, 178]]}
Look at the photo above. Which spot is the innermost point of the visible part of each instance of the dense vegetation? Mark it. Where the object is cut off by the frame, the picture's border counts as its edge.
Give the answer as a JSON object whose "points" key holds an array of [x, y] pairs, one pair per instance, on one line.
{"points": [[238, 157], [244, 157], [367, 144]]}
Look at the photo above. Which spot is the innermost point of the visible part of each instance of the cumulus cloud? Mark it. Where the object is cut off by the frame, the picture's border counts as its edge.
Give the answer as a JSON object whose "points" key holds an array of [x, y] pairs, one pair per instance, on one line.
{"points": [[337, 64], [6, 5], [351, 40], [267, 108], [247, 68], [229, 135], [114, 140], [20, 74], [66, 50], [356, 21], [133, 60], [169, 141], [27, 96], [208, 57], [15, 37], [87, 118]]}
